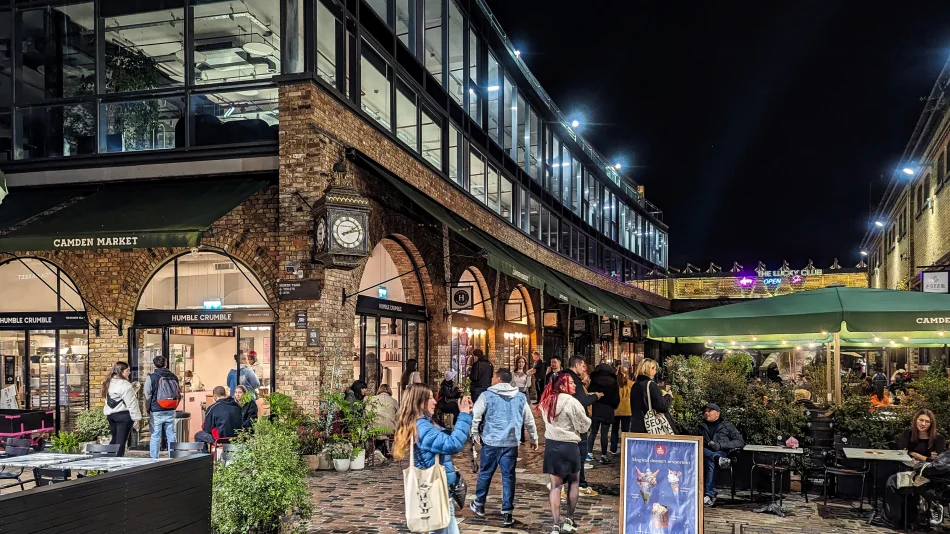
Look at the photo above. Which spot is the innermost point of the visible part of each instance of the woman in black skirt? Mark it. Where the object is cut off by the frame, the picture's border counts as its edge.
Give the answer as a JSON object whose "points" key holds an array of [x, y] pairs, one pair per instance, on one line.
{"points": [[565, 421]]}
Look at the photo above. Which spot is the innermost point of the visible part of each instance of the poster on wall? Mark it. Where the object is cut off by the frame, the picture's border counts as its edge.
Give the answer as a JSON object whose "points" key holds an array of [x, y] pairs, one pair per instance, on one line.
{"points": [[661, 484], [266, 350], [513, 312]]}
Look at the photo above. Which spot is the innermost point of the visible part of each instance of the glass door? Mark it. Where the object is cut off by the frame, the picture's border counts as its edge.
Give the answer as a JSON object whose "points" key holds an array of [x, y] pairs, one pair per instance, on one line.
{"points": [[42, 369], [391, 334], [73, 373], [13, 360], [371, 352]]}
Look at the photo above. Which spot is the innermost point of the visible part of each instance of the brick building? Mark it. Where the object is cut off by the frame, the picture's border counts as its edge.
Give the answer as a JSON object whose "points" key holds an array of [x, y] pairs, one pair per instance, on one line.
{"points": [[332, 189]]}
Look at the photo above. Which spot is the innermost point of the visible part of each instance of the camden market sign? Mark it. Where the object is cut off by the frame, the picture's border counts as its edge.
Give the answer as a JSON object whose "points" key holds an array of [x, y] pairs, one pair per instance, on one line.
{"points": [[91, 242]]}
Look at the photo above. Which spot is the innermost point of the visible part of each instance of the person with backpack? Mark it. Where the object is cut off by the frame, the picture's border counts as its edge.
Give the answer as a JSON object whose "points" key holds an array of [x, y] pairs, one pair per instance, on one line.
{"points": [[122, 405], [162, 394]]}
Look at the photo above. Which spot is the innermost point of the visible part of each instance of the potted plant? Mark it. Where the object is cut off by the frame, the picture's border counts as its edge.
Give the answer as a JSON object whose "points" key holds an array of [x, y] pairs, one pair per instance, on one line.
{"points": [[341, 452], [64, 442], [311, 444], [359, 419], [92, 426]]}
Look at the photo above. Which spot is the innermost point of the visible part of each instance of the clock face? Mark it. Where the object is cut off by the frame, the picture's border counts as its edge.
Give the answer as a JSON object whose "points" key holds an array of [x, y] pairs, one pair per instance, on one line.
{"points": [[321, 233], [348, 232]]}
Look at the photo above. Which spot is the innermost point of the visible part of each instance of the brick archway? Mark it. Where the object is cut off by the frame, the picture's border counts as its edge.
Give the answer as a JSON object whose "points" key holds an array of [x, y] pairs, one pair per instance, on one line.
{"points": [[485, 300], [407, 258]]}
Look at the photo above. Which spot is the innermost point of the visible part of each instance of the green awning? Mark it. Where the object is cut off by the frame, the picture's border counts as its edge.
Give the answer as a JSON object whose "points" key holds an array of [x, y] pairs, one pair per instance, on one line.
{"points": [[24, 203], [145, 214]]}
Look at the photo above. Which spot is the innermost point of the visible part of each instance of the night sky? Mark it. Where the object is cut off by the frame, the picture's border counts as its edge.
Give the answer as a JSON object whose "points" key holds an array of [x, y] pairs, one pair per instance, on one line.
{"points": [[757, 127]]}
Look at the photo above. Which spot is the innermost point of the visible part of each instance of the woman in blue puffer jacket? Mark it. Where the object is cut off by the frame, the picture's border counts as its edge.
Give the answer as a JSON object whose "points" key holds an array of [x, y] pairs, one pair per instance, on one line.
{"points": [[415, 423]]}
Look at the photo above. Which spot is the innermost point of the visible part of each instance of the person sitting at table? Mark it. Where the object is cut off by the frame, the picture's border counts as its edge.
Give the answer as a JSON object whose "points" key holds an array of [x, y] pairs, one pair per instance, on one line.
{"points": [[922, 443], [222, 420], [879, 398], [720, 437], [248, 409]]}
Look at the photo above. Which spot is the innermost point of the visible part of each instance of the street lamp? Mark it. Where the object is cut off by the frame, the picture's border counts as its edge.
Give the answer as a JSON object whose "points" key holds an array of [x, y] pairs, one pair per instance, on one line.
{"points": [[913, 169], [879, 224], [575, 123], [864, 253], [617, 166]]}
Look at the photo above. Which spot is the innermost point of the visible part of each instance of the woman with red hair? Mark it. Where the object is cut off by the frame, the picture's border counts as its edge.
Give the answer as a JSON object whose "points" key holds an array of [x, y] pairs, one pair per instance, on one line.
{"points": [[565, 421]]}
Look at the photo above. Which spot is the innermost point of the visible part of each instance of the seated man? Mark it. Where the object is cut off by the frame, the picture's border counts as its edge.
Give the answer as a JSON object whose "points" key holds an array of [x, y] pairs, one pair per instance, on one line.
{"points": [[222, 419], [720, 437]]}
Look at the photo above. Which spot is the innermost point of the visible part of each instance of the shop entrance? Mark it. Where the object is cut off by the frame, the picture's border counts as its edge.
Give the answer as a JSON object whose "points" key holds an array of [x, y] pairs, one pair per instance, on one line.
{"points": [[200, 310], [44, 341]]}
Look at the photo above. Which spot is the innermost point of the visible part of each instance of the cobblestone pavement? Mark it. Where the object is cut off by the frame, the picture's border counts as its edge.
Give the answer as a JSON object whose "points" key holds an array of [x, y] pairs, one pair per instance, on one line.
{"points": [[371, 501]]}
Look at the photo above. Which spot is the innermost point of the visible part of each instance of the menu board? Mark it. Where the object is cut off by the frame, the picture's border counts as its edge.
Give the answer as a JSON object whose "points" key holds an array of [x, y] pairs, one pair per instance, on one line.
{"points": [[661, 484]]}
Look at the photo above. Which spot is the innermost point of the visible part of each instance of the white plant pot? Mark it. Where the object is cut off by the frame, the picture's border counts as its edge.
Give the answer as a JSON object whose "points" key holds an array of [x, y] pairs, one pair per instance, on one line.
{"points": [[105, 440], [359, 461], [341, 465]]}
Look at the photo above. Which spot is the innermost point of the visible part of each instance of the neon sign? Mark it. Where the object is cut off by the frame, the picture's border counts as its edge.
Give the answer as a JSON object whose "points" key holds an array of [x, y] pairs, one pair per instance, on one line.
{"points": [[798, 279], [746, 281], [772, 281]]}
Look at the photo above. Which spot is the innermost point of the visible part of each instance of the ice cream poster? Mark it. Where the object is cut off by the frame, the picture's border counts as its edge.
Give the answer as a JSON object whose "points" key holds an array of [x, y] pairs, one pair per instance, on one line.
{"points": [[661, 484]]}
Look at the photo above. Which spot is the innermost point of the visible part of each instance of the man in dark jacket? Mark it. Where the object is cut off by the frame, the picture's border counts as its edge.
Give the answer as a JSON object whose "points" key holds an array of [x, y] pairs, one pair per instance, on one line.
{"points": [[537, 371], [481, 374], [603, 380], [222, 420], [720, 437], [577, 369]]}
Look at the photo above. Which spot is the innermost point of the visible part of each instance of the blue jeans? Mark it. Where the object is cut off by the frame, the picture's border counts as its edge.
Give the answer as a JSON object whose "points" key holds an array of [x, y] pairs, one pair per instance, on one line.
{"points": [[711, 460], [160, 420], [507, 459], [453, 527]]}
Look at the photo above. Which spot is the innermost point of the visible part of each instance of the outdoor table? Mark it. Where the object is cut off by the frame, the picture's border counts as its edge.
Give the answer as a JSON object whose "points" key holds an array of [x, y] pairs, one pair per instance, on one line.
{"points": [[773, 451], [875, 455], [109, 463], [40, 459]]}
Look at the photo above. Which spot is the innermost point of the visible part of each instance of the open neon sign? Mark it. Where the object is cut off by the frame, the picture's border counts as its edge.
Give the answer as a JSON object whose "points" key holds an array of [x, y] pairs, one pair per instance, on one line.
{"points": [[772, 281]]}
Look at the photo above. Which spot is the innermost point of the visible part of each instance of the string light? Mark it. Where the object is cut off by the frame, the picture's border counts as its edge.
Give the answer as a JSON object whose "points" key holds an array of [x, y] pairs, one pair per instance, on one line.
{"points": [[906, 338], [824, 332], [876, 339], [798, 347], [732, 342], [940, 333], [784, 342], [811, 345], [754, 338]]}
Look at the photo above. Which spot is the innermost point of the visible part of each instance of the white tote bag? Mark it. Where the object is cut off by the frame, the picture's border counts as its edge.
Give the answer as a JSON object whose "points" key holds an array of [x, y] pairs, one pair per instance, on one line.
{"points": [[656, 423], [427, 496]]}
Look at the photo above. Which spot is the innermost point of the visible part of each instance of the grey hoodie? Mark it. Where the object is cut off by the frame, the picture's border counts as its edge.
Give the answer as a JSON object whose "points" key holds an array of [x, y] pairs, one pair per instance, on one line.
{"points": [[504, 418]]}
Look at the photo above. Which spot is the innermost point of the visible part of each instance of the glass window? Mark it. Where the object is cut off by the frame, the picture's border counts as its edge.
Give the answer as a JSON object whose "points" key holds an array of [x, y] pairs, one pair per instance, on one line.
{"points": [[576, 186], [534, 166], [58, 45], [56, 131], [494, 91], [328, 25], [381, 7], [405, 21], [433, 39], [376, 82], [510, 116], [522, 132], [565, 244], [535, 215], [545, 229], [406, 115], [29, 285], [581, 247], [234, 40], [200, 277], [592, 249], [6, 136], [455, 155], [493, 199], [432, 138], [554, 178], [236, 116], [456, 86], [477, 176], [141, 124], [525, 211], [506, 199], [6, 62], [941, 166], [474, 89]]}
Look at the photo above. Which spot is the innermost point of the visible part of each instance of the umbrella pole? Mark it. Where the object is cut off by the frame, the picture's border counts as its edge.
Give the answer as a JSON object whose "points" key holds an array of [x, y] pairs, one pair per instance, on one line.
{"points": [[837, 367], [828, 366]]}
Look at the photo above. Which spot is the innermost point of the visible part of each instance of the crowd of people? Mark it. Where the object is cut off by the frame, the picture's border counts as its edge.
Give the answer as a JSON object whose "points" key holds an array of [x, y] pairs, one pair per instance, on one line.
{"points": [[231, 412]]}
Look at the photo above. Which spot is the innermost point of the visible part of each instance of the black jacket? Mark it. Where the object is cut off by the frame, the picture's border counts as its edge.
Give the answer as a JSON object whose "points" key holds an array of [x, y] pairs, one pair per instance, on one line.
{"points": [[538, 370], [226, 416], [604, 380], [481, 374], [584, 398], [449, 392], [639, 406], [727, 436], [249, 414]]}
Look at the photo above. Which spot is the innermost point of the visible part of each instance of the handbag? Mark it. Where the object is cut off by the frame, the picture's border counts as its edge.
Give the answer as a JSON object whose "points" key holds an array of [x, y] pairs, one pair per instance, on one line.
{"points": [[656, 423], [427, 496], [459, 491]]}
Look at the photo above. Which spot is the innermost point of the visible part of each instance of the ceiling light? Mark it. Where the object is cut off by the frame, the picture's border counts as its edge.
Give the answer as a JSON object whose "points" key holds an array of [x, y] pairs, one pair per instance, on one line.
{"points": [[732, 342], [258, 49], [249, 92], [575, 124], [229, 112], [864, 253], [742, 347], [709, 341], [879, 224], [754, 338], [493, 88], [784, 342], [940, 333], [908, 171], [824, 333], [811, 345]]}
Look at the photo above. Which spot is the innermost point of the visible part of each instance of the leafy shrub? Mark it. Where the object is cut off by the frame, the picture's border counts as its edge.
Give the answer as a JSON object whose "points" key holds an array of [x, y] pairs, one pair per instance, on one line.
{"points": [[855, 417], [264, 481], [340, 450], [284, 409], [91, 425], [64, 442]]}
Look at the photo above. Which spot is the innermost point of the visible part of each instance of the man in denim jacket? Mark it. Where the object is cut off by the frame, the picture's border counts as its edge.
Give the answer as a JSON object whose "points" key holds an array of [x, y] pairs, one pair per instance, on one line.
{"points": [[505, 410]]}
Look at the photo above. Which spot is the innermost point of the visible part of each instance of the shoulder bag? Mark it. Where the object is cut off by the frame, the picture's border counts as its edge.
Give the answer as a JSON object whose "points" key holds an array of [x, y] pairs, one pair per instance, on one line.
{"points": [[656, 423], [427, 496]]}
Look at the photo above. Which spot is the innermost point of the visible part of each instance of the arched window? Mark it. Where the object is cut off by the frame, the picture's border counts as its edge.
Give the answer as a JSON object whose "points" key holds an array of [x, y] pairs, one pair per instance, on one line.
{"points": [[201, 280], [35, 285], [478, 308]]}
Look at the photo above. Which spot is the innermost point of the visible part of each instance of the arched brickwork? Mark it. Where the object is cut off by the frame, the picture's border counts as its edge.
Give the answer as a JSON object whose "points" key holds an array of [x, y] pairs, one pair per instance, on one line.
{"points": [[487, 300]]}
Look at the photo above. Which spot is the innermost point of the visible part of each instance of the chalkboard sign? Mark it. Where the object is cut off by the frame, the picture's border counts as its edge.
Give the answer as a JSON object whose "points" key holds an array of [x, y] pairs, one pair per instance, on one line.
{"points": [[313, 337], [300, 319], [299, 289]]}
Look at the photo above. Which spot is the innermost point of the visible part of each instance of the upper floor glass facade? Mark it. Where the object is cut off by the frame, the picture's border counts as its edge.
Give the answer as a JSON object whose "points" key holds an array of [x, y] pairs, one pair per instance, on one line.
{"points": [[88, 78]]}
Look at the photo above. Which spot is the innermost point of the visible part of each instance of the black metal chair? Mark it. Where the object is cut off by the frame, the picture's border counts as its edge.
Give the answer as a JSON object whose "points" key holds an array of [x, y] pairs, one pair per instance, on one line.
{"points": [[15, 447], [102, 451], [182, 448], [781, 470], [48, 477], [843, 467], [227, 450]]}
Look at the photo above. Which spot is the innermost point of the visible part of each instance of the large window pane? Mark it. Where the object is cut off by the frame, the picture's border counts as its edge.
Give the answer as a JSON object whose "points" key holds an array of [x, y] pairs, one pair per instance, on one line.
{"points": [[6, 61], [145, 50], [381, 7], [55, 131], [477, 176], [406, 115], [534, 165], [474, 88], [494, 91], [6, 136], [565, 241], [521, 135], [545, 227], [433, 39], [525, 211], [455, 155], [59, 52], [567, 174], [509, 112], [405, 21], [535, 219], [554, 177], [327, 44], [375, 79], [141, 124], [432, 139], [493, 199], [237, 40], [554, 225], [456, 86], [238, 116], [506, 199], [576, 191]]}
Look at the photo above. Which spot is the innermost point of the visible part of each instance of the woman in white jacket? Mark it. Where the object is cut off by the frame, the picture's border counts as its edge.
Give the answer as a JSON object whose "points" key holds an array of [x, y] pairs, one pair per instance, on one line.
{"points": [[122, 405]]}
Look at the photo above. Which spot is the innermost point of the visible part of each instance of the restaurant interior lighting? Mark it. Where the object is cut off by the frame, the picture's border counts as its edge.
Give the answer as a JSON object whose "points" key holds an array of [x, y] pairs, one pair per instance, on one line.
{"points": [[784, 342], [754, 338], [732, 342]]}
